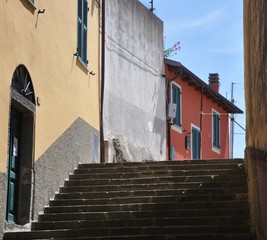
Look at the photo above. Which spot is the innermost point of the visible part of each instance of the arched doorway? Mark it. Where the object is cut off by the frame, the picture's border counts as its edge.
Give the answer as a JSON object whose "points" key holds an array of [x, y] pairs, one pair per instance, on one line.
{"points": [[21, 139]]}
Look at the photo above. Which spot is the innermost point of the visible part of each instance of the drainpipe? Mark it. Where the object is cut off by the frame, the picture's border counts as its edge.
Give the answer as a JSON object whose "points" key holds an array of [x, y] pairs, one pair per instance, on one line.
{"points": [[169, 81], [201, 121], [102, 85], [169, 123]]}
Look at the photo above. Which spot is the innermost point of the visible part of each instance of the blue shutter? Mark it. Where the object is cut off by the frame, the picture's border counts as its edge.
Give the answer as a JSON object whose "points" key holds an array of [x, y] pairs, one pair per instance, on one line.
{"points": [[176, 98], [82, 30], [216, 130], [195, 143], [174, 101], [178, 101]]}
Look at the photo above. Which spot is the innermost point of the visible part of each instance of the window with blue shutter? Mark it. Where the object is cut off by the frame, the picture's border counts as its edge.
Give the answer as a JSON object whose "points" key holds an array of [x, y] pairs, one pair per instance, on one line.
{"points": [[195, 143], [176, 98], [216, 129], [82, 30]]}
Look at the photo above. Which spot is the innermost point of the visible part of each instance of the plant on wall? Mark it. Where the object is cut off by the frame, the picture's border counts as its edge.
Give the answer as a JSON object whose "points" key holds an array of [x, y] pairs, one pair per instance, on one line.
{"points": [[169, 52]]}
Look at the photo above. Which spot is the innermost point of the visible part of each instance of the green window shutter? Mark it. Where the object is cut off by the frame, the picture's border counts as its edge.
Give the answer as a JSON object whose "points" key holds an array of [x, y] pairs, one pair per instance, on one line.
{"points": [[216, 130], [176, 98], [82, 30], [219, 134], [195, 143]]}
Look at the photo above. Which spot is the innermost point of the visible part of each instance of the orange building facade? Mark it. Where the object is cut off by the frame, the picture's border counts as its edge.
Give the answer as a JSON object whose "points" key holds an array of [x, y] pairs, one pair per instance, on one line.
{"points": [[198, 116]]}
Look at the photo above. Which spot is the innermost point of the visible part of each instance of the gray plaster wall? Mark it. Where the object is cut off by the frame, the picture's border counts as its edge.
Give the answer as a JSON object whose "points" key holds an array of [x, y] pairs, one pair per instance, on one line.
{"points": [[2, 203], [134, 102], [75, 146]]}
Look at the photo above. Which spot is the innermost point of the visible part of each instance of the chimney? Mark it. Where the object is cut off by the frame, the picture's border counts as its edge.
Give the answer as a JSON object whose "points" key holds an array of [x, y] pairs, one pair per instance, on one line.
{"points": [[214, 81]]}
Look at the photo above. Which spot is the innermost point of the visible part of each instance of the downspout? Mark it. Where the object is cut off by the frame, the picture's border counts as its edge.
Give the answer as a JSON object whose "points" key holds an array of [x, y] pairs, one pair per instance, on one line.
{"points": [[168, 121], [102, 85], [169, 81], [201, 121]]}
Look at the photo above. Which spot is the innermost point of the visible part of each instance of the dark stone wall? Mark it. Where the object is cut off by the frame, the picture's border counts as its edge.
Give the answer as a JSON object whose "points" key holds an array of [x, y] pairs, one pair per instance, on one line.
{"points": [[255, 47], [256, 164], [74, 146]]}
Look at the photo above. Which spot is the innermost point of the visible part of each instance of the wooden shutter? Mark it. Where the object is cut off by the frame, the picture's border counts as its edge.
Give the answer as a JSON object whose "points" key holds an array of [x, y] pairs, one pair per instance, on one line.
{"points": [[82, 30], [176, 98]]}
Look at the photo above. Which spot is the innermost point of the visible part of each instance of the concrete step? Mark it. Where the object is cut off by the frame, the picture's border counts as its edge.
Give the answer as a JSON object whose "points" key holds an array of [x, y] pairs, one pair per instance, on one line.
{"points": [[145, 206], [152, 192], [139, 222], [146, 231], [156, 213], [163, 163], [151, 186], [120, 181], [222, 236], [166, 199], [156, 166], [83, 174]]}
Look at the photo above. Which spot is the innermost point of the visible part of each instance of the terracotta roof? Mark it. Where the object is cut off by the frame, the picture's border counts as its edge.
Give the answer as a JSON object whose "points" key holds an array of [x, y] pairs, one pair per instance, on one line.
{"points": [[194, 81]]}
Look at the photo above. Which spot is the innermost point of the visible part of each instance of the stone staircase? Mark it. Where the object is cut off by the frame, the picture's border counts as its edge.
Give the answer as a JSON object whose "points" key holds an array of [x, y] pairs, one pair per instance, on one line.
{"points": [[204, 200]]}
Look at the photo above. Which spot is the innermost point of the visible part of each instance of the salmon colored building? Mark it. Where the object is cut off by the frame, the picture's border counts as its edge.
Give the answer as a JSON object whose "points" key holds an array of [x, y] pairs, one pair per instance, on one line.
{"points": [[198, 116]]}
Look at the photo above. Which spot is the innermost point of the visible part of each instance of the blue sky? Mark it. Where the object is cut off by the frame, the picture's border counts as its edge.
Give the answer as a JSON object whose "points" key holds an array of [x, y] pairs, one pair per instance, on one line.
{"points": [[211, 36]]}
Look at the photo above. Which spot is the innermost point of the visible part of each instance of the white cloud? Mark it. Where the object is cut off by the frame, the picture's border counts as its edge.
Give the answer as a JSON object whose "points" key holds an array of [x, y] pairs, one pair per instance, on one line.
{"points": [[185, 24]]}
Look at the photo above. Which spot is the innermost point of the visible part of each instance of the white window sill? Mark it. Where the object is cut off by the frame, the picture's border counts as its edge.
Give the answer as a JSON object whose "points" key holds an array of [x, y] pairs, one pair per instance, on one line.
{"points": [[32, 5], [177, 128], [216, 150], [82, 64]]}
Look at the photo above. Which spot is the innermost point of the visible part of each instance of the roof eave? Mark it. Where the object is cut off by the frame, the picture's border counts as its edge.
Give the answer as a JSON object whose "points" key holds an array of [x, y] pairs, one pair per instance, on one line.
{"points": [[227, 105]]}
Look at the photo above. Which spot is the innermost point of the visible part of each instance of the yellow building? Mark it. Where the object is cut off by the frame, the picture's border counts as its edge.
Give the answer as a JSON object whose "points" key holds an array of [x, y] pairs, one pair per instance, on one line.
{"points": [[49, 100]]}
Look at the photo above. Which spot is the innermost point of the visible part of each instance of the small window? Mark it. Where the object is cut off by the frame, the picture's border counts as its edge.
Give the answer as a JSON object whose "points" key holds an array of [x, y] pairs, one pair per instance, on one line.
{"points": [[216, 129], [176, 98], [31, 1], [82, 30], [196, 144]]}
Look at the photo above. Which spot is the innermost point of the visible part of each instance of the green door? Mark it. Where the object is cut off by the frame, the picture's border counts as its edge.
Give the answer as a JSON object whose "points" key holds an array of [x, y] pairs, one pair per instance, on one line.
{"points": [[195, 143], [13, 168]]}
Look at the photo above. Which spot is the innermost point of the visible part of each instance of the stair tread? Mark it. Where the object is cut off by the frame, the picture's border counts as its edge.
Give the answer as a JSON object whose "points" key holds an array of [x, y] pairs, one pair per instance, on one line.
{"points": [[138, 222], [244, 236]]}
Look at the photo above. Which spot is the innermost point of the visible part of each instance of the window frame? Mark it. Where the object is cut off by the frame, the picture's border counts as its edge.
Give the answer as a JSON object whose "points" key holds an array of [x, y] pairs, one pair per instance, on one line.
{"points": [[216, 131], [177, 124], [199, 153], [82, 31]]}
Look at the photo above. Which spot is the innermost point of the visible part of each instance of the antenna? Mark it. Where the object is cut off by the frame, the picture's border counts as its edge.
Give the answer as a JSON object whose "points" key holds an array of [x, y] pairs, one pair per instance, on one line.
{"points": [[152, 6]]}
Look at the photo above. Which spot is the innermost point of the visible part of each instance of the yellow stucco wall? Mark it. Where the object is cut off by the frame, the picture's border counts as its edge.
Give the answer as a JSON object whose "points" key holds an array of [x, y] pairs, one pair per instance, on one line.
{"points": [[45, 43]]}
